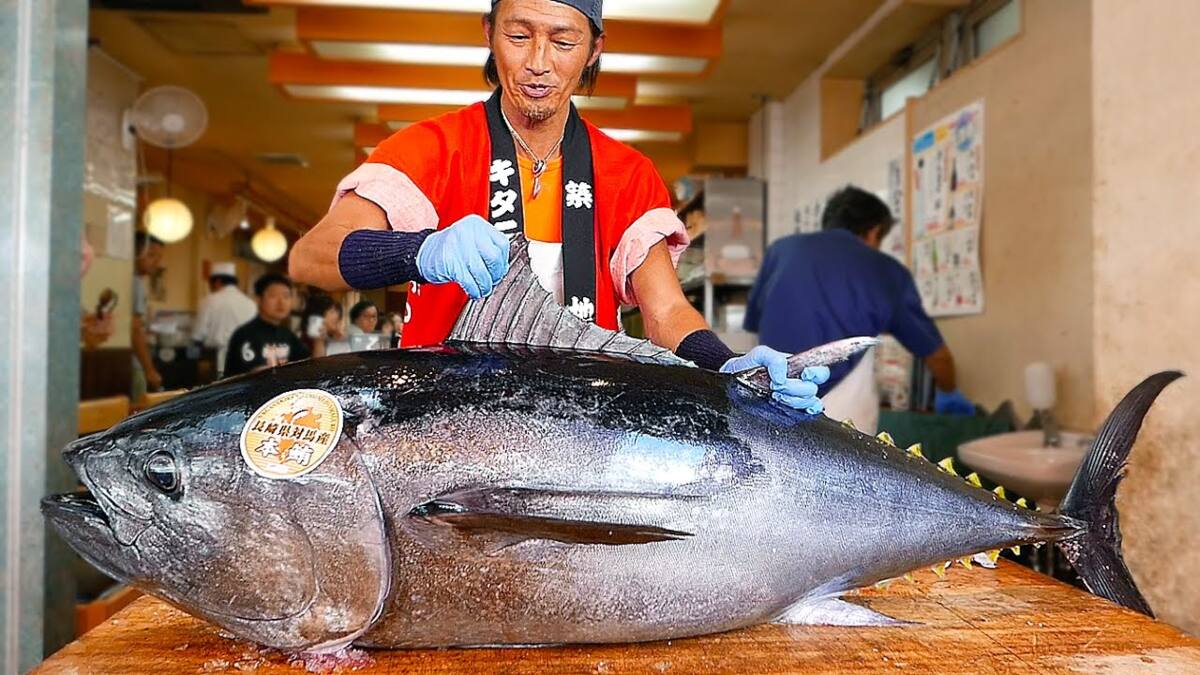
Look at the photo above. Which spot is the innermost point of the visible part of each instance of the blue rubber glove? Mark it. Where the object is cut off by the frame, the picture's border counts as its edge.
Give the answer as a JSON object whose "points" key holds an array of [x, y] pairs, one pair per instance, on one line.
{"points": [[952, 403], [470, 252], [799, 393]]}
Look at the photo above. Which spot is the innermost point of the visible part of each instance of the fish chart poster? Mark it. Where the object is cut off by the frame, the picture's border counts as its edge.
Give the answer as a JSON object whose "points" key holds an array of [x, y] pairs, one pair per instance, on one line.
{"points": [[947, 208]]}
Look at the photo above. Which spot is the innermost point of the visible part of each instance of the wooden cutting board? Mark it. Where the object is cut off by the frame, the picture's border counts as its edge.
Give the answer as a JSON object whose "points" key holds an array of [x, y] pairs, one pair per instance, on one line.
{"points": [[1007, 620]]}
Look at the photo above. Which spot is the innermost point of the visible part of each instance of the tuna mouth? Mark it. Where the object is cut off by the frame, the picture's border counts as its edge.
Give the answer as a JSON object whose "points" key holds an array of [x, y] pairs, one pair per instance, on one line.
{"points": [[76, 506]]}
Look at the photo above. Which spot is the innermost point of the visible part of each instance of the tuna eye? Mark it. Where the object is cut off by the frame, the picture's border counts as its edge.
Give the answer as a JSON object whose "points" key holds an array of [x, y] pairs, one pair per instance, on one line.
{"points": [[162, 473]]}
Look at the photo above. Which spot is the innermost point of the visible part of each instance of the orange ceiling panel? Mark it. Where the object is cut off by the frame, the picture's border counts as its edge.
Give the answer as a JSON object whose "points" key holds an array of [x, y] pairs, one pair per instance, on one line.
{"points": [[452, 28], [289, 68], [367, 135], [645, 117]]}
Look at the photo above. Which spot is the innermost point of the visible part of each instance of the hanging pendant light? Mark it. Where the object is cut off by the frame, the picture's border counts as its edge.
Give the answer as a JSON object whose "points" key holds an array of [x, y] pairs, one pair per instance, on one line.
{"points": [[269, 244], [166, 218]]}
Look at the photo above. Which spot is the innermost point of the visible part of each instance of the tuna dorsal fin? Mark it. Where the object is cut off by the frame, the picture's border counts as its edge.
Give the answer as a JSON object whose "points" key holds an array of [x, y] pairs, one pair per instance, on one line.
{"points": [[519, 312], [503, 516], [825, 355]]}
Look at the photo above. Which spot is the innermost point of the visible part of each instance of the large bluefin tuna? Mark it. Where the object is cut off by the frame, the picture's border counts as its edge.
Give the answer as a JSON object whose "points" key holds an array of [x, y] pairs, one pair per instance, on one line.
{"points": [[582, 489]]}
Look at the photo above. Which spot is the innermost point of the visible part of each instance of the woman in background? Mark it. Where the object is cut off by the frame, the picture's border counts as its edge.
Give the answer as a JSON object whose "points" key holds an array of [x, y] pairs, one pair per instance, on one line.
{"points": [[322, 323], [392, 327], [364, 317]]}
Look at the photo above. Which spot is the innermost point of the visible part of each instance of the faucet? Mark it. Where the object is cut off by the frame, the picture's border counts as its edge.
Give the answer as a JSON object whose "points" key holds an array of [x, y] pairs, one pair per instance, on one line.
{"points": [[1039, 390], [1051, 438]]}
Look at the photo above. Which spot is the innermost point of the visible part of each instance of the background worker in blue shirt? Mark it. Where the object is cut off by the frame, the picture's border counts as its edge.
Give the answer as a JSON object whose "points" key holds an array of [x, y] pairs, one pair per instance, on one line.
{"points": [[834, 284]]}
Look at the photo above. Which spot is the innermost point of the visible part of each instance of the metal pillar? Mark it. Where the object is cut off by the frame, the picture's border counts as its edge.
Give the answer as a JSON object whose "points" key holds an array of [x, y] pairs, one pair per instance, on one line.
{"points": [[42, 91]]}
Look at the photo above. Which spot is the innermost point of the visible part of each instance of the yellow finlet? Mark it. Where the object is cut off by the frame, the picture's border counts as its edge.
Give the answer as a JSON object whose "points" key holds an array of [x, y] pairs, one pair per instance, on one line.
{"points": [[1015, 549], [883, 584], [999, 492], [849, 423], [947, 465], [940, 569], [993, 555], [966, 562], [886, 438], [909, 578], [973, 479], [1022, 503], [915, 450]]}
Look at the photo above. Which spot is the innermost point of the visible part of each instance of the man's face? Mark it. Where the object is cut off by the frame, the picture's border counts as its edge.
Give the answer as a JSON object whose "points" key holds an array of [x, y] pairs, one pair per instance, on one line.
{"points": [[275, 303], [541, 48], [149, 258]]}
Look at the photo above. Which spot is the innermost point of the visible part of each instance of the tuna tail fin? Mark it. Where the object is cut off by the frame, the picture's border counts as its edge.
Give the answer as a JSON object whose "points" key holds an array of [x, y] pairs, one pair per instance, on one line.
{"points": [[1095, 552]]}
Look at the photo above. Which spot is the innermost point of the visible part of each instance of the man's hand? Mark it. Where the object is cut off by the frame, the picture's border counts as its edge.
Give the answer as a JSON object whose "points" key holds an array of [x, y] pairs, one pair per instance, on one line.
{"points": [[952, 403], [799, 393], [470, 252]]}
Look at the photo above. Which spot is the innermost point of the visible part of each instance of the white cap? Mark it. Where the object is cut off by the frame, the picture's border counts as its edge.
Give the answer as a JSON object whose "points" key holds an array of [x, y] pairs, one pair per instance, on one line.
{"points": [[223, 269]]}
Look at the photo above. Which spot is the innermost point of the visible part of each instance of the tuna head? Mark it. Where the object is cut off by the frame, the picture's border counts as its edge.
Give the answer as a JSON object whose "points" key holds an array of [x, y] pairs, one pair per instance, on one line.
{"points": [[175, 507]]}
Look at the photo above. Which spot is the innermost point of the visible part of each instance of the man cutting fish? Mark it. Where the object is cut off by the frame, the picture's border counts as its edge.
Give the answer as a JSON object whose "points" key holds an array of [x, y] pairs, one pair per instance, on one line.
{"points": [[595, 212]]}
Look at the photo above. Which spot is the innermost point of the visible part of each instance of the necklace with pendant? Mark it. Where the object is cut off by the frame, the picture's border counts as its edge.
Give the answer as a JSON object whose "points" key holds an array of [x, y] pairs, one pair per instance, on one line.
{"points": [[539, 164]]}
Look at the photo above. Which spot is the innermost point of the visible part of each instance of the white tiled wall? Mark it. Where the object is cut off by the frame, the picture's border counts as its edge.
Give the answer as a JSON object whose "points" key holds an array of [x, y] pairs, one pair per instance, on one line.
{"points": [[788, 157]]}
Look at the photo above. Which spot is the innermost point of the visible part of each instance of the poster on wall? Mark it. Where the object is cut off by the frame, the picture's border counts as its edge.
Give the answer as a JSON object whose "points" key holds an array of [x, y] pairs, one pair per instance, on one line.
{"points": [[895, 243], [947, 208]]}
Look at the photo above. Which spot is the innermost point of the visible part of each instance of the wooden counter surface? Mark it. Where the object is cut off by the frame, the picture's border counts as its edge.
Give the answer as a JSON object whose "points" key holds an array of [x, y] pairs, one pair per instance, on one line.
{"points": [[1008, 620]]}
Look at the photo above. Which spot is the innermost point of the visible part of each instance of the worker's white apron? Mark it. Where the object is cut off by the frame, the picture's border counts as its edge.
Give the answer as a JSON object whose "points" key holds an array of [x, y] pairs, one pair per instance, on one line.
{"points": [[856, 397]]}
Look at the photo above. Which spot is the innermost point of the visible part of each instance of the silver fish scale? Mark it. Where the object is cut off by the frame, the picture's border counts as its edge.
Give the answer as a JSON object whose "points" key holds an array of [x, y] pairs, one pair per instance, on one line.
{"points": [[534, 319]]}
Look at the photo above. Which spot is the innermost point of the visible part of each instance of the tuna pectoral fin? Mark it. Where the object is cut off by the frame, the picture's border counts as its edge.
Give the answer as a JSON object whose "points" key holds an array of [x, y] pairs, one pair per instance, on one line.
{"points": [[1095, 552], [501, 517], [834, 612]]}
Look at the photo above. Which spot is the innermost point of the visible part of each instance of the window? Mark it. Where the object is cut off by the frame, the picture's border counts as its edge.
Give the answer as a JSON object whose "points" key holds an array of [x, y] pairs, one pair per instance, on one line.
{"points": [[998, 27], [946, 45], [912, 85]]}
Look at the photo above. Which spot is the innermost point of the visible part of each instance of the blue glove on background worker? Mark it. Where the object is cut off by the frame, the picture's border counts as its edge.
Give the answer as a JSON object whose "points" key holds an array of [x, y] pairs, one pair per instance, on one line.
{"points": [[799, 393], [471, 252], [952, 403]]}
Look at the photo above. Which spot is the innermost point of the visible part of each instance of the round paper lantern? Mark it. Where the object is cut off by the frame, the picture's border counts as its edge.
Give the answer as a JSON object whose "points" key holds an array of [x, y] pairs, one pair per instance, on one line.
{"points": [[168, 219], [269, 244]]}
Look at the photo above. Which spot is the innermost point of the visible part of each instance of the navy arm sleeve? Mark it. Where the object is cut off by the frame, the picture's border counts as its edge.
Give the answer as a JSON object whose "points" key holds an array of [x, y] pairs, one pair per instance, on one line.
{"points": [[910, 324]]}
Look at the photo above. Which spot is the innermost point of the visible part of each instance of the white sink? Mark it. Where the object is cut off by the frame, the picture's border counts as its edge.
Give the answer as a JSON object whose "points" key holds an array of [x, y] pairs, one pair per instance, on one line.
{"points": [[1020, 463]]}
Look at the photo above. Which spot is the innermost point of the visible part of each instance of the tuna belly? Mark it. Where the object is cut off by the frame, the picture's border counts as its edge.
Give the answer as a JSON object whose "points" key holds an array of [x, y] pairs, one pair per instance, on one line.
{"points": [[543, 593], [711, 571]]}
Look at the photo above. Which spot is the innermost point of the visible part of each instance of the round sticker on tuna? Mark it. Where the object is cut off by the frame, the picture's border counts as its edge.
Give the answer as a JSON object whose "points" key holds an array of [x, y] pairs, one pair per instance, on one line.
{"points": [[291, 434]]}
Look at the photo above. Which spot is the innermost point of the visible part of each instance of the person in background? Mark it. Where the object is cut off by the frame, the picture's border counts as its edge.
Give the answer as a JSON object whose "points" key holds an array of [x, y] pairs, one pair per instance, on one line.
{"points": [[95, 328], [816, 288], [265, 341], [392, 326], [225, 308], [148, 254], [364, 317], [322, 323]]}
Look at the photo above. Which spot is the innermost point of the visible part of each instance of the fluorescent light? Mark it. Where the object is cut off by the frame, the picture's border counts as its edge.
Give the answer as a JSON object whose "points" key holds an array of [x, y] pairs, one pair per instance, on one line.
{"points": [[644, 135], [397, 126], [674, 11], [652, 63], [462, 55], [398, 52], [366, 94], [368, 150], [369, 94]]}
